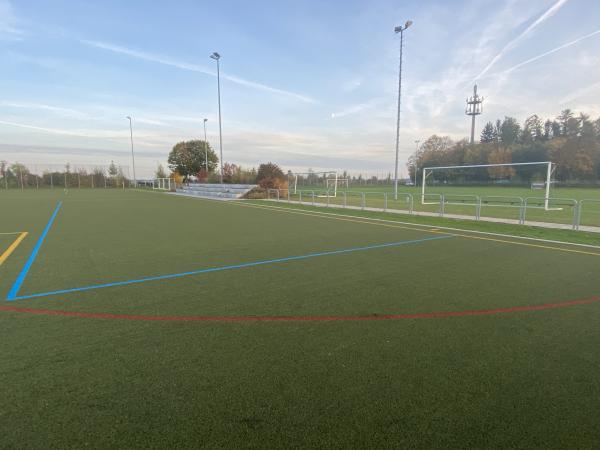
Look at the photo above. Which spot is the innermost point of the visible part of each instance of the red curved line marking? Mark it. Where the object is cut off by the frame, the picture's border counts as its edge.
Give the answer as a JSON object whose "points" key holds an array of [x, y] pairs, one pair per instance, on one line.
{"points": [[430, 315]]}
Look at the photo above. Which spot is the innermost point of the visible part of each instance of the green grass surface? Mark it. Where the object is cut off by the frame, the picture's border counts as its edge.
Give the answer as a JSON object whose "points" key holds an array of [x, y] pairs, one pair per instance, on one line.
{"points": [[462, 200], [518, 379], [563, 235]]}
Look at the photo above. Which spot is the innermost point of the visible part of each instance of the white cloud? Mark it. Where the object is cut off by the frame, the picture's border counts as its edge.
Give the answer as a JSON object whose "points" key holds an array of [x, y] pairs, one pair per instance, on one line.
{"points": [[351, 85], [105, 134], [514, 42], [579, 93], [194, 68], [360, 107], [68, 112], [8, 22]]}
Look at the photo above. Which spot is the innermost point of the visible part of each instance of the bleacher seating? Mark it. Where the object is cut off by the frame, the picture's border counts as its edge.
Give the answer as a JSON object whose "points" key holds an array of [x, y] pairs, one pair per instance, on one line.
{"points": [[216, 191]]}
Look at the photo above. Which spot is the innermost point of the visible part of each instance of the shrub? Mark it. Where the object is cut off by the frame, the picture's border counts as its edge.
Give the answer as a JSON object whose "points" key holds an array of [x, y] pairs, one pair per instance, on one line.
{"points": [[270, 176]]}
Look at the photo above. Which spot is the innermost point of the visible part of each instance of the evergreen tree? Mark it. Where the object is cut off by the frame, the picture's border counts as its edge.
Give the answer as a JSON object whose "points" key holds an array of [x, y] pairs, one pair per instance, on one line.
{"points": [[510, 131], [488, 134]]}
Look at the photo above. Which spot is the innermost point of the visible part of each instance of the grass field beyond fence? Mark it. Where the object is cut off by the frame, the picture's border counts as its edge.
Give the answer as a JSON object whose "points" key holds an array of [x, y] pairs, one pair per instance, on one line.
{"points": [[497, 202], [139, 319]]}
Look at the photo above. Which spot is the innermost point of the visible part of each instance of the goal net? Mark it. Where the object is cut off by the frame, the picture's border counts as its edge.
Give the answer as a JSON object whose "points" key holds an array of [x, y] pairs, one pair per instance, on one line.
{"points": [[324, 184], [481, 179]]}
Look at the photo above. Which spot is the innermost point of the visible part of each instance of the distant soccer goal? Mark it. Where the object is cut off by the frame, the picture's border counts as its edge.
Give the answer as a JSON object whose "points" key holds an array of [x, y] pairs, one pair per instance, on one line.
{"points": [[325, 184], [163, 184], [537, 175]]}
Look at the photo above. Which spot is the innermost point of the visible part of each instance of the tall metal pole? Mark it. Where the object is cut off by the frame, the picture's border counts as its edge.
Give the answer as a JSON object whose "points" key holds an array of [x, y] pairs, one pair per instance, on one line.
{"points": [[217, 57], [416, 156], [401, 31], [132, 155], [205, 149]]}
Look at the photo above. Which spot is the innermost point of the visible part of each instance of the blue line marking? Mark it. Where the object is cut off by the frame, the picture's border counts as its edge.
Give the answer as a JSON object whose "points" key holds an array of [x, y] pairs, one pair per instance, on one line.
{"points": [[12, 294], [230, 267]]}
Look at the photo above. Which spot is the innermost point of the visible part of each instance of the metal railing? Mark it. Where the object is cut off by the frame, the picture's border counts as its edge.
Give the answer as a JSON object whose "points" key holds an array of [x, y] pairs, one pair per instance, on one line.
{"points": [[580, 209], [557, 204], [382, 202], [500, 201]]}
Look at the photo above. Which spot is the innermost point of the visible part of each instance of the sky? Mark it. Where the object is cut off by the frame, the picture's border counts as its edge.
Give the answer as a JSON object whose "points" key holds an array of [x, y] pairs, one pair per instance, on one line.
{"points": [[309, 84]]}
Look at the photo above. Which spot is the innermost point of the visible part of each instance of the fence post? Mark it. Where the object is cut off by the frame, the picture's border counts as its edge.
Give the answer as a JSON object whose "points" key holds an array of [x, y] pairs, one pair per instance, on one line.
{"points": [[268, 194], [345, 199], [313, 198], [575, 214], [363, 200], [442, 205], [288, 191], [579, 207], [300, 197], [385, 201], [478, 209]]}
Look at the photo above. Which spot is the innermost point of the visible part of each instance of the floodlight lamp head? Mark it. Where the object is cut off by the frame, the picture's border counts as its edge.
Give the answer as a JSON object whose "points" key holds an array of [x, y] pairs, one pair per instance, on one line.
{"points": [[128, 117], [215, 56], [205, 120], [400, 29]]}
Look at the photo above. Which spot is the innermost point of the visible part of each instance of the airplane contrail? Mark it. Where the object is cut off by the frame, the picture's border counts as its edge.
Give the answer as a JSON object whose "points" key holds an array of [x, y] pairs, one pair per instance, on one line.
{"points": [[549, 13]]}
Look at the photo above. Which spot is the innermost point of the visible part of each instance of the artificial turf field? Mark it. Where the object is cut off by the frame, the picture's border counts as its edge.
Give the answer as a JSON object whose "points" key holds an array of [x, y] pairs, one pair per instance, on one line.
{"points": [[295, 329]]}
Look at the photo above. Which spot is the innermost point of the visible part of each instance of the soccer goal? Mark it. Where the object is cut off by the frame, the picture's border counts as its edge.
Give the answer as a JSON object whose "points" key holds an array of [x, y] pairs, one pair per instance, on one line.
{"points": [[327, 182], [334, 183], [162, 184], [528, 174]]}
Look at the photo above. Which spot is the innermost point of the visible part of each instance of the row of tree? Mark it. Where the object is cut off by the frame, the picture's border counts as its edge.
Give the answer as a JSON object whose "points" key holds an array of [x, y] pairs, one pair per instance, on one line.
{"points": [[18, 175], [570, 141]]}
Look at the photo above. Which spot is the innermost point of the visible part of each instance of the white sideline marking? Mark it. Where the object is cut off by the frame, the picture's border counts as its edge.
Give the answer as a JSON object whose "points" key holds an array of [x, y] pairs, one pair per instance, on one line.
{"points": [[434, 227], [241, 202]]}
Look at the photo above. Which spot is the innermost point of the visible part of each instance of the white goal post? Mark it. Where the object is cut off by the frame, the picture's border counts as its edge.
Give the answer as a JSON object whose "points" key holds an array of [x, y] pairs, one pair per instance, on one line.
{"points": [[162, 184], [547, 182]]}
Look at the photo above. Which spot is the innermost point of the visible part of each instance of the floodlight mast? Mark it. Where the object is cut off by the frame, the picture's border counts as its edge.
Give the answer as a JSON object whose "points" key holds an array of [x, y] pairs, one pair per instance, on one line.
{"points": [[399, 29], [217, 57], [132, 156], [417, 141], [205, 149]]}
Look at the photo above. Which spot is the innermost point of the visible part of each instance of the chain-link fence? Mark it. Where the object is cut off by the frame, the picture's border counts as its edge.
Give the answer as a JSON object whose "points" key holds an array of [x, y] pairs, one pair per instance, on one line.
{"points": [[48, 176]]}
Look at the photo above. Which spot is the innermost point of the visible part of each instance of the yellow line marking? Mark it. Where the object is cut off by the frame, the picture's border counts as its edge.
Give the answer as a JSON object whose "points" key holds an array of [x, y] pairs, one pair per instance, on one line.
{"points": [[435, 231], [549, 247], [12, 232], [12, 247]]}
